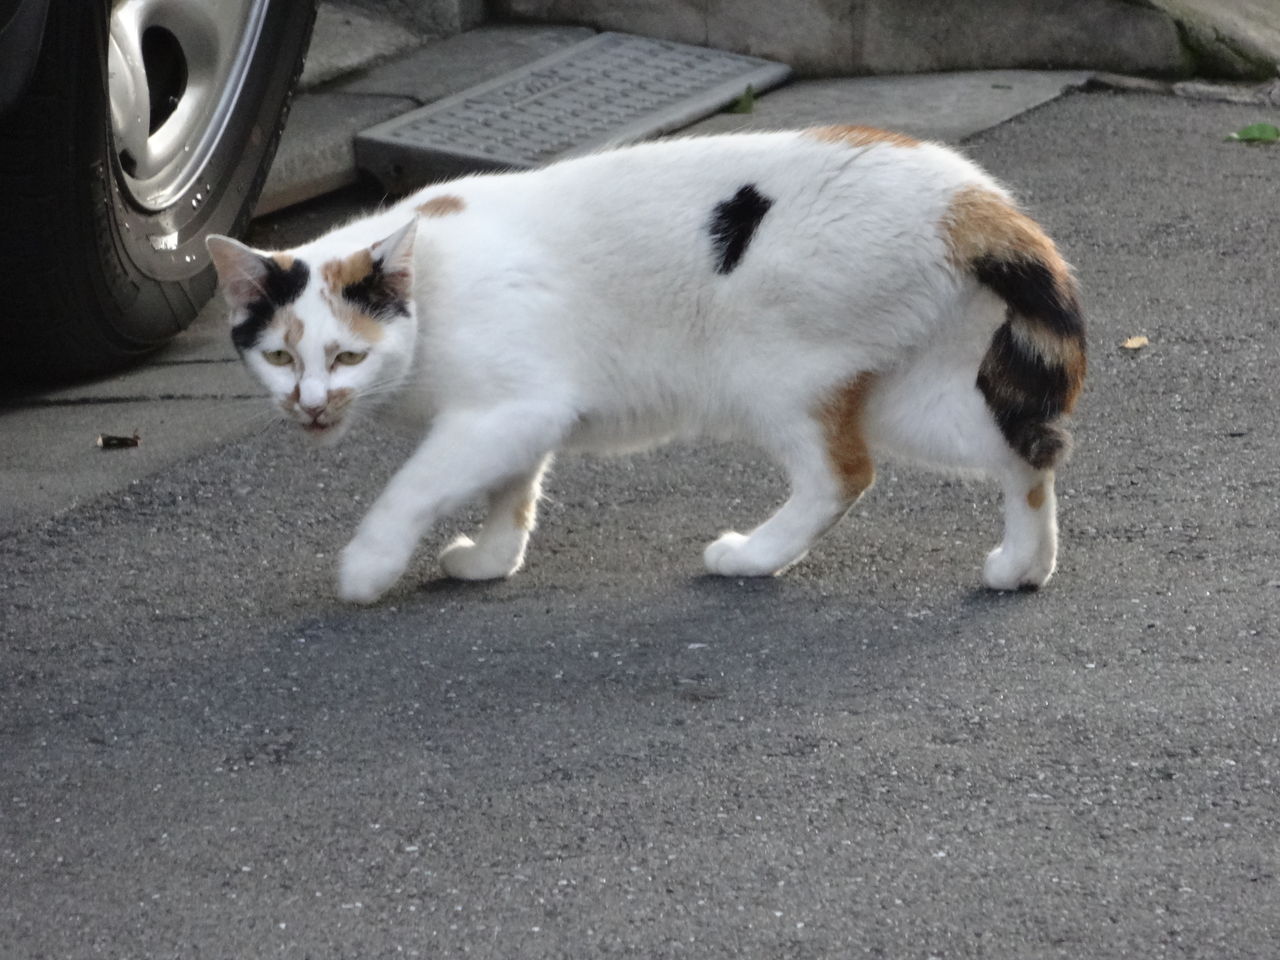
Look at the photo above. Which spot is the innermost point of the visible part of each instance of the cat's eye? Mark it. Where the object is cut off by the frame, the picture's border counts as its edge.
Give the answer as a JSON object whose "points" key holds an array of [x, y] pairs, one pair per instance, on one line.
{"points": [[349, 358], [277, 358]]}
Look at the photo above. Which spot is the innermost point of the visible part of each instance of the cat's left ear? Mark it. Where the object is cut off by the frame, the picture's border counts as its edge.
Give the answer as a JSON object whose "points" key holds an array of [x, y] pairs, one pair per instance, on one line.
{"points": [[394, 257], [242, 271]]}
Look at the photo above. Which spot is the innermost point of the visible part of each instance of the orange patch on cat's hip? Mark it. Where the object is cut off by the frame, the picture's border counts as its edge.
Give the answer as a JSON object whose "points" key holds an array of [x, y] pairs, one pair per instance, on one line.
{"points": [[440, 206], [859, 136], [841, 419]]}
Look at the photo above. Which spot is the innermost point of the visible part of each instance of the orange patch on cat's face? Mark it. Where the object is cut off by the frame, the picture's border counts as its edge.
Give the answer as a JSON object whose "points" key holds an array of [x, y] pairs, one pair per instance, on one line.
{"points": [[340, 273], [339, 399], [336, 401], [440, 206], [858, 136], [361, 324], [292, 329], [847, 450]]}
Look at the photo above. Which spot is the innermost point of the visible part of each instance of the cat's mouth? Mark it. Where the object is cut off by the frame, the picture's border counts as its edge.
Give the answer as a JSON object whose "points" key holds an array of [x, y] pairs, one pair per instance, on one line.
{"points": [[326, 431], [322, 428], [324, 423]]}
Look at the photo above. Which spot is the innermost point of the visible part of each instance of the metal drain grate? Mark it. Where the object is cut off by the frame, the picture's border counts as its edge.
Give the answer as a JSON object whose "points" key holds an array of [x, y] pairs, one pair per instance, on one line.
{"points": [[613, 88]]}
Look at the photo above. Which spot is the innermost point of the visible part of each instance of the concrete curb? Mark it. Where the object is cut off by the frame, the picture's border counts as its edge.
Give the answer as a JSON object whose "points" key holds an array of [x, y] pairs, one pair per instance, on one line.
{"points": [[317, 155], [364, 68], [1231, 38], [937, 106], [345, 40]]}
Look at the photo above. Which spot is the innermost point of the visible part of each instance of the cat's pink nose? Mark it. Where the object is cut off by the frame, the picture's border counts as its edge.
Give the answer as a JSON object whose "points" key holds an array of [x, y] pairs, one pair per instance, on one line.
{"points": [[312, 412]]}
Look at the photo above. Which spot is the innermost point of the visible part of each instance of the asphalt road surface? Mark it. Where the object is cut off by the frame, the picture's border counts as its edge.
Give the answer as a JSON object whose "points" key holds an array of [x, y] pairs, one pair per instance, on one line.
{"points": [[204, 755]]}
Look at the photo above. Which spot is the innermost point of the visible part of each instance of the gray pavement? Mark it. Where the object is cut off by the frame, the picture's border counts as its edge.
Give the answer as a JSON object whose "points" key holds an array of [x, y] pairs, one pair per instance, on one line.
{"points": [[202, 754], [936, 106]]}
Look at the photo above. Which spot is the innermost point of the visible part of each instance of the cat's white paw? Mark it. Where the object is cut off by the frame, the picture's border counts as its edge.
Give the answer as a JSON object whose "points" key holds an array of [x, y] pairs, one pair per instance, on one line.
{"points": [[367, 571], [464, 560], [731, 555], [1006, 570]]}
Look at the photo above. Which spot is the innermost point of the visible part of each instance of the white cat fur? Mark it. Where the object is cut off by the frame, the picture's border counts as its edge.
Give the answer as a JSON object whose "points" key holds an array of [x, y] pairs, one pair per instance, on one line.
{"points": [[583, 306]]}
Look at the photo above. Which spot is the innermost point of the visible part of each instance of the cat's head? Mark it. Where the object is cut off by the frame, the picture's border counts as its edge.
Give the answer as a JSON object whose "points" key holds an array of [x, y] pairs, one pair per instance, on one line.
{"points": [[326, 334]]}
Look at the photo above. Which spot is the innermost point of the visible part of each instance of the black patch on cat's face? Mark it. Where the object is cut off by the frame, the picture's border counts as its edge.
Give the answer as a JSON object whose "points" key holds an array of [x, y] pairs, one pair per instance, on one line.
{"points": [[733, 224], [279, 287], [377, 294]]}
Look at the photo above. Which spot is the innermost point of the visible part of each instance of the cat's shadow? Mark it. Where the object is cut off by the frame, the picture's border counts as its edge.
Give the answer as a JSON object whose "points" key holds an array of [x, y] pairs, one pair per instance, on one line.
{"points": [[440, 585], [717, 586]]}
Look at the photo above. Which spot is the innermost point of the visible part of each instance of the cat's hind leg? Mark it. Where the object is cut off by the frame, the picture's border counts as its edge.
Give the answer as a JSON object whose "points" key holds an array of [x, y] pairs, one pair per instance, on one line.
{"points": [[932, 412], [498, 548], [1028, 551], [829, 466]]}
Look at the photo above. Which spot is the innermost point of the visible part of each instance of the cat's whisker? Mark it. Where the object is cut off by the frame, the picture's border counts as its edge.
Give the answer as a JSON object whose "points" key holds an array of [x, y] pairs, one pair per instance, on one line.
{"points": [[261, 424]]}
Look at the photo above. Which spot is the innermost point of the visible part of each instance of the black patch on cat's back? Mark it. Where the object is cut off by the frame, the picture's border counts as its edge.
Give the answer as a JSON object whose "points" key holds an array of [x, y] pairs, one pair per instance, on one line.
{"points": [[376, 294], [280, 286], [733, 224]]}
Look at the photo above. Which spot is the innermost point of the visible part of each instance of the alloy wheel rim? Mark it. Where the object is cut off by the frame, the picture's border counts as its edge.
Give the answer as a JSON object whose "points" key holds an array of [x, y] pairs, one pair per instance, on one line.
{"points": [[175, 69]]}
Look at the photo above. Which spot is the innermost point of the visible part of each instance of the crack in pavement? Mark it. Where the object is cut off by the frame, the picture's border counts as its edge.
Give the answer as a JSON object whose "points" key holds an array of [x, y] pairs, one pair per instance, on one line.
{"points": [[90, 401]]}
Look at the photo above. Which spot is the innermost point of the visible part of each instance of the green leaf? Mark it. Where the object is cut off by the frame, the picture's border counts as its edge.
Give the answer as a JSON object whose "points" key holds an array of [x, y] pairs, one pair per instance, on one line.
{"points": [[745, 103], [1257, 133]]}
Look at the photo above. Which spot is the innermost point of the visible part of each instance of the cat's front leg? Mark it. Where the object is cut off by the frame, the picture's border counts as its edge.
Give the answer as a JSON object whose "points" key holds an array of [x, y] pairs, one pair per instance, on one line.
{"points": [[465, 455], [373, 561], [498, 548]]}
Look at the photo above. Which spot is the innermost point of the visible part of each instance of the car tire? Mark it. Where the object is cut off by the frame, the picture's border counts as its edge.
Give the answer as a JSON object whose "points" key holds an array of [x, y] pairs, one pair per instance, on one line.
{"points": [[91, 277]]}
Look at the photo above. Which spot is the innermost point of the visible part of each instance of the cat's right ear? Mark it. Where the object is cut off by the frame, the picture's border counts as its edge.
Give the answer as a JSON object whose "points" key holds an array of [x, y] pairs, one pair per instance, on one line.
{"points": [[242, 271], [394, 255]]}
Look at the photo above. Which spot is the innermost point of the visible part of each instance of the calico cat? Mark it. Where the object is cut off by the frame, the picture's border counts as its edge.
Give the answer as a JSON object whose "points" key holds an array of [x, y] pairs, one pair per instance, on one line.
{"points": [[829, 294]]}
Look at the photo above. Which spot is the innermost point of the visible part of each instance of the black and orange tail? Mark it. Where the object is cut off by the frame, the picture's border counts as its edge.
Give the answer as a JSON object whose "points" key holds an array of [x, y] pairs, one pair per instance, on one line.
{"points": [[1034, 369]]}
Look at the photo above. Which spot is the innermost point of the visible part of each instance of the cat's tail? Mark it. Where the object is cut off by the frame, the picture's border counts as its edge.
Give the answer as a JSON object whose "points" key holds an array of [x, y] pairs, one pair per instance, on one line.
{"points": [[1035, 366]]}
